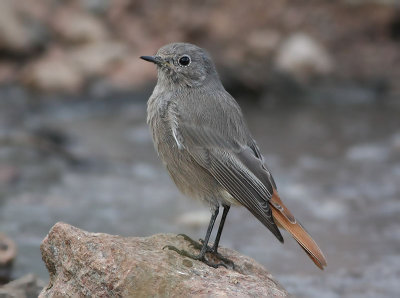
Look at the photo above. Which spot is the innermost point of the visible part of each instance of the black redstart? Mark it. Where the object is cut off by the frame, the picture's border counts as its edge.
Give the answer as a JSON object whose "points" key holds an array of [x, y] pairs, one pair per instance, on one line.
{"points": [[200, 135]]}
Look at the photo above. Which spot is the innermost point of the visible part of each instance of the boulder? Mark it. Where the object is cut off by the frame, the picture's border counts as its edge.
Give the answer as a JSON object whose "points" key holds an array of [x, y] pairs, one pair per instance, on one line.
{"points": [[22, 27], [100, 265], [96, 58], [8, 252], [24, 287], [78, 27], [53, 72], [303, 57], [263, 42], [14, 35], [67, 70]]}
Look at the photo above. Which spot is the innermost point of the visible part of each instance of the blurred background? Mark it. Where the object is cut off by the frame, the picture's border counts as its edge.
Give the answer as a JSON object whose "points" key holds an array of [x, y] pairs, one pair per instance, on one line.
{"points": [[319, 84]]}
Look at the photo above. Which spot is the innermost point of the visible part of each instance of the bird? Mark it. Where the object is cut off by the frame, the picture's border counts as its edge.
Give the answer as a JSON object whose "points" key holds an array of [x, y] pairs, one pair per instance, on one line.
{"points": [[201, 137]]}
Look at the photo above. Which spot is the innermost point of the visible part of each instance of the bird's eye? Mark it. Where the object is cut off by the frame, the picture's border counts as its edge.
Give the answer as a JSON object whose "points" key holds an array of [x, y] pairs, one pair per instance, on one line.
{"points": [[184, 60]]}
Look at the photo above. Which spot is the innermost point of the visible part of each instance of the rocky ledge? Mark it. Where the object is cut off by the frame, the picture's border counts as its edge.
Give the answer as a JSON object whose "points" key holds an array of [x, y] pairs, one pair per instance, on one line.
{"points": [[101, 265]]}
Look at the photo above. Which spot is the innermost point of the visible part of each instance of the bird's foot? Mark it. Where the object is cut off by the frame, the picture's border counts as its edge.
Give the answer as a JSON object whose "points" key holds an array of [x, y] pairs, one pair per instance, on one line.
{"points": [[199, 257], [193, 243], [214, 251], [210, 250]]}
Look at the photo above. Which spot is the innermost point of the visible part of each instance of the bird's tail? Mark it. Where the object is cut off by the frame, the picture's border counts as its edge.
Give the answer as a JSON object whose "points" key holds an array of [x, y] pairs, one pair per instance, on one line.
{"points": [[285, 219]]}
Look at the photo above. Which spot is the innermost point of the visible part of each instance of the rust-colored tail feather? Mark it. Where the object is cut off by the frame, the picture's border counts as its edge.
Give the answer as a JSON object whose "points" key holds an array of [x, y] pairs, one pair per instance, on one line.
{"points": [[300, 235]]}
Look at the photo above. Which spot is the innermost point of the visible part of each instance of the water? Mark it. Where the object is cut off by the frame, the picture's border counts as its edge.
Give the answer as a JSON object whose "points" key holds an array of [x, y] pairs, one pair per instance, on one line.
{"points": [[337, 169]]}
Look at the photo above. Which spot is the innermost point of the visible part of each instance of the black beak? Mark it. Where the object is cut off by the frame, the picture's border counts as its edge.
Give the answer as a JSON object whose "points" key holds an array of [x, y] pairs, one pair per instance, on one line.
{"points": [[149, 58]]}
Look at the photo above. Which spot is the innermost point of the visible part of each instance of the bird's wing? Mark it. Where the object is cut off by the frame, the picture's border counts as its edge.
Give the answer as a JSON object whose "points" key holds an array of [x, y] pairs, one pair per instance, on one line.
{"points": [[240, 169], [235, 165]]}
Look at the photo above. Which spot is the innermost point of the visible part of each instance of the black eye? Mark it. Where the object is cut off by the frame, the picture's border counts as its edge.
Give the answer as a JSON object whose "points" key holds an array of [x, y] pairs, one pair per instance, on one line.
{"points": [[184, 60]]}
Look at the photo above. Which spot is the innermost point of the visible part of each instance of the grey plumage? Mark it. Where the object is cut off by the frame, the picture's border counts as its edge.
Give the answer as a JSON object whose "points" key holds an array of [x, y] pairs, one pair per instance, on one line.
{"points": [[200, 135]]}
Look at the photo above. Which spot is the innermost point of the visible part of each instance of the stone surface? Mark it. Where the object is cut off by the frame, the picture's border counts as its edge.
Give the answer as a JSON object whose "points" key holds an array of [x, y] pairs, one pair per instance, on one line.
{"points": [[28, 286], [101, 265], [53, 72], [14, 35], [60, 70], [79, 27], [302, 56], [95, 58], [8, 250], [247, 53]]}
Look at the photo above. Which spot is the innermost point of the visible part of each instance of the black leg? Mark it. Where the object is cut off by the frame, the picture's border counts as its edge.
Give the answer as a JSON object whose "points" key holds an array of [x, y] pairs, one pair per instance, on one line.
{"points": [[204, 247], [214, 249], [208, 234], [220, 228]]}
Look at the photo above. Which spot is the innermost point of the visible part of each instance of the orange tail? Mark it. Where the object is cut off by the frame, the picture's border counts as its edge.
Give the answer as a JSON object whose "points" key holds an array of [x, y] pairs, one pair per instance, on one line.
{"points": [[285, 219]]}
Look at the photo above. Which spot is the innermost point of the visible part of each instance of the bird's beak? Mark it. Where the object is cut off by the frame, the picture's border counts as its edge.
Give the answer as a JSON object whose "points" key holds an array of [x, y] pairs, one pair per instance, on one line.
{"points": [[156, 60], [150, 59]]}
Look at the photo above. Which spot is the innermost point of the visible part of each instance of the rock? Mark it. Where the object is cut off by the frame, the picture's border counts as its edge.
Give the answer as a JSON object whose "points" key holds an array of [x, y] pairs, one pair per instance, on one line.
{"points": [[131, 72], [24, 287], [100, 265], [247, 53], [8, 250], [78, 27], [60, 70], [22, 27], [94, 59], [302, 56], [263, 42], [53, 72], [13, 34]]}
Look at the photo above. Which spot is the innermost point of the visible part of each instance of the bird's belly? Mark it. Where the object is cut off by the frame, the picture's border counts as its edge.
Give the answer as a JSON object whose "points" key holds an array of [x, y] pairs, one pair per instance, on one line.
{"points": [[190, 178]]}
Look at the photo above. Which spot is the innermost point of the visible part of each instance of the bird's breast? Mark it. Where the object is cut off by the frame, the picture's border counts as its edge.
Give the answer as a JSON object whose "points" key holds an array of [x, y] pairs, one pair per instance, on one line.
{"points": [[190, 178]]}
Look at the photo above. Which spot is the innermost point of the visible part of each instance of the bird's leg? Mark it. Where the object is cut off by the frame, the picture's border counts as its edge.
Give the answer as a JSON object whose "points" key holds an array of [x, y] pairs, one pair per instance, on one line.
{"points": [[204, 246], [214, 248]]}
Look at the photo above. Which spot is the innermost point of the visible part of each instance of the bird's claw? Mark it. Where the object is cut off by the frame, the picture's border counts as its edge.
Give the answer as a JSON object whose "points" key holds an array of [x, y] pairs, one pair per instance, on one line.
{"points": [[192, 242], [195, 257], [198, 246]]}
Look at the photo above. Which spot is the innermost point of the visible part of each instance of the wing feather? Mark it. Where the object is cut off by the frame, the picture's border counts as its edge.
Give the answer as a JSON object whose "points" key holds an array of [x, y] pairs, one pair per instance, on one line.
{"points": [[233, 166], [240, 186], [228, 152]]}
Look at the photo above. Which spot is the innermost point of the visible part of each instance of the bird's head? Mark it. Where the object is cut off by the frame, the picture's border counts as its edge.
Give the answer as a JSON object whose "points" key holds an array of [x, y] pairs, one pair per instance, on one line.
{"points": [[183, 64]]}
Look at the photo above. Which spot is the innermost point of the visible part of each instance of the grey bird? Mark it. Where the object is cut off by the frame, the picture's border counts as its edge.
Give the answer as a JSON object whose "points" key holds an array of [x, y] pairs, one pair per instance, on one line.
{"points": [[201, 137]]}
